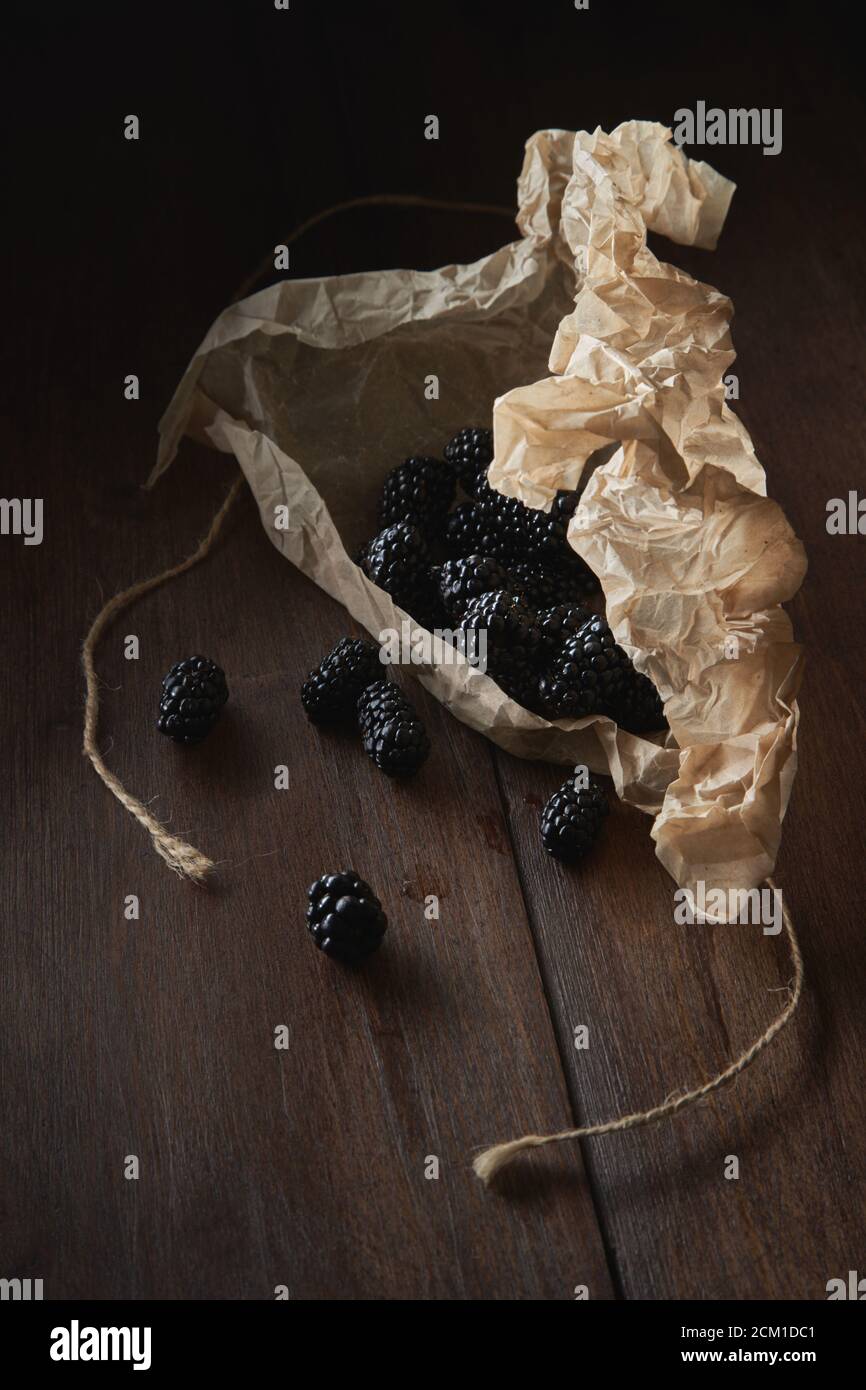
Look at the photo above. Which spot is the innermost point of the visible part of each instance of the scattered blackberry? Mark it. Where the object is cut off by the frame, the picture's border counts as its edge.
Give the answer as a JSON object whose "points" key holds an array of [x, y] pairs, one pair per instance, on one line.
{"points": [[193, 694], [588, 676], [639, 709], [344, 917], [470, 454], [461, 581], [572, 819], [419, 490], [556, 625], [398, 561], [330, 693], [513, 642], [393, 735]]}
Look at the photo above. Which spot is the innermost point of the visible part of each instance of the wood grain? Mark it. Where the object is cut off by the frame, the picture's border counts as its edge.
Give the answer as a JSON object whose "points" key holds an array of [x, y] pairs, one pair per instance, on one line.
{"points": [[155, 1037]]}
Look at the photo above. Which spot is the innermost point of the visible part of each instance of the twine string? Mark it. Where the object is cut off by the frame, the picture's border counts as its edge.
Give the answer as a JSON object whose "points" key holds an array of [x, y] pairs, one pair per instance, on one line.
{"points": [[494, 1159], [184, 859]]}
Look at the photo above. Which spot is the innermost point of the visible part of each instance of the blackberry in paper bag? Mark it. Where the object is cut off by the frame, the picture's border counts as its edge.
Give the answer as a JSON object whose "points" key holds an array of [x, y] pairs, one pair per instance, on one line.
{"points": [[330, 693], [461, 581], [588, 676], [193, 694], [470, 454], [344, 917], [420, 491], [513, 642], [557, 625], [639, 708], [547, 586], [398, 561]]}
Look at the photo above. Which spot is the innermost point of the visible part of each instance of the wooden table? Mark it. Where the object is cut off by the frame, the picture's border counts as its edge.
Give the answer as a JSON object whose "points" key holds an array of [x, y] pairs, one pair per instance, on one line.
{"points": [[306, 1167]]}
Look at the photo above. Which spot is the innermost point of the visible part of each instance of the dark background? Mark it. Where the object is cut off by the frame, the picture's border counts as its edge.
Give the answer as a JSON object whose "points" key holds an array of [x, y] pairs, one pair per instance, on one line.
{"points": [[155, 1038]]}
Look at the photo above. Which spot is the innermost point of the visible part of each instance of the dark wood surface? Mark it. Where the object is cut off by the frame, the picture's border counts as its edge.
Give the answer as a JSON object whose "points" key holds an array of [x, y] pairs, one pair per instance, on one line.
{"points": [[155, 1038]]}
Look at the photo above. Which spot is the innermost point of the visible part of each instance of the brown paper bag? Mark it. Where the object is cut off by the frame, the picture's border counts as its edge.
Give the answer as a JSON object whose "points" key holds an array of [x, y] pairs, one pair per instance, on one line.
{"points": [[586, 342]]}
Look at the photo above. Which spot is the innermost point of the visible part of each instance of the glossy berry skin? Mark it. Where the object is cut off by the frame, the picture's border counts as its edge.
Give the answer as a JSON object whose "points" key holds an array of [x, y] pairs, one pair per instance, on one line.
{"points": [[513, 642], [461, 581], [393, 735], [587, 677], [330, 693], [398, 561], [193, 694], [547, 586], [470, 454], [420, 491], [571, 821], [345, 918], [556, 625]]}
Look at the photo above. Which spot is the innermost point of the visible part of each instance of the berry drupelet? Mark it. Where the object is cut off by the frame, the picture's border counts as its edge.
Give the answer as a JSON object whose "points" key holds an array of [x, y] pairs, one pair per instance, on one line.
{"points": [[393, 735], [193, 694], [420, 491], [398, 561], [329, 695], [345, 917], [572, 819]]}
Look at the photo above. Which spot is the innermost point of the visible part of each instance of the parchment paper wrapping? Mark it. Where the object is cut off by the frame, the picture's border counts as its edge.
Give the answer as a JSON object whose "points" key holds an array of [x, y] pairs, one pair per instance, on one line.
{"points": [[586, 342]]}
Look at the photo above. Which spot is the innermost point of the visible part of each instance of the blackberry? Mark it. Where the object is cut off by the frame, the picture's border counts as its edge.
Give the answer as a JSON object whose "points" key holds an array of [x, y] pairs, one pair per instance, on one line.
{"points": [[513, 642], [564, 505], [546, 537], [556, 625], [639, 709], [419, 490], [330, 693], [193, 694], [548, 586], [572, 819], [393, 735], [461, 581], [344, 917], [467, 531], [398, 561], [506, 520], [588, 676], [470, 454]]}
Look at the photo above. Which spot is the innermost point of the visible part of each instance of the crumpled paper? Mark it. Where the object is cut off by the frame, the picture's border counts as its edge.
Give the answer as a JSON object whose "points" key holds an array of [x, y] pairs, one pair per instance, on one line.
{"points": [[588, 344]]}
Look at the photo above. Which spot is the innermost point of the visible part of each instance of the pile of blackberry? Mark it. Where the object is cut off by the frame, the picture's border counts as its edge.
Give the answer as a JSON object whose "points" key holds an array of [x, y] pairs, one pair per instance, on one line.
{"points": [[494, 566]]}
